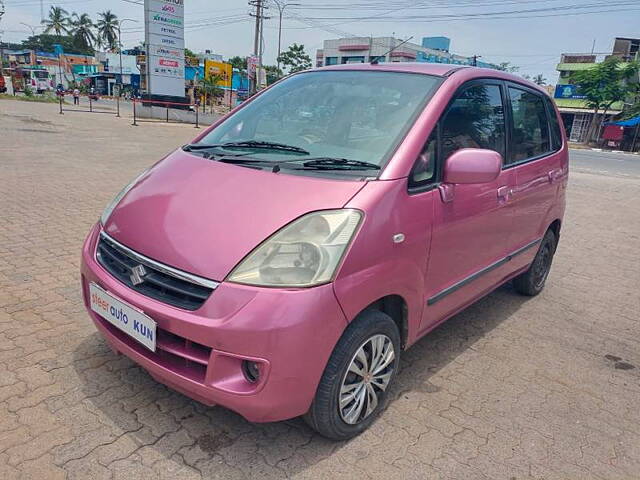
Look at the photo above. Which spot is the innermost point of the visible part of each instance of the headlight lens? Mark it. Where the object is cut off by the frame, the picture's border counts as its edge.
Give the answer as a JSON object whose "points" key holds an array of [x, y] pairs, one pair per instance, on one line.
{"points": [[116, 200], [303, 254]]}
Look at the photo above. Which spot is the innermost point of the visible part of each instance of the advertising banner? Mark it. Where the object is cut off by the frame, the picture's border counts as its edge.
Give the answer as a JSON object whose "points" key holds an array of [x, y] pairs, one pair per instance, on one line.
{"points": [[222, 69], [568, 91], [164, 37]]}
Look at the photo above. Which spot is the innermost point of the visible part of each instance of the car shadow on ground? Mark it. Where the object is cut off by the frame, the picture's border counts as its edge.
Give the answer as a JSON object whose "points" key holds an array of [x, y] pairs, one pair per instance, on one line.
{"points": [[130, 400]]}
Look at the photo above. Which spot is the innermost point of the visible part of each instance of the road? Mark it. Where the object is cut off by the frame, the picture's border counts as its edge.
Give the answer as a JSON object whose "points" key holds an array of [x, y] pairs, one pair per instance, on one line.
{"points": [[605, 163], [511, 388]]}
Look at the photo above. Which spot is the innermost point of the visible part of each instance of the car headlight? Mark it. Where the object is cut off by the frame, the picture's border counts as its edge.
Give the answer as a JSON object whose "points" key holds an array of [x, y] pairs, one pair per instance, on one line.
{"points": [[116, 200], [304, 253]]}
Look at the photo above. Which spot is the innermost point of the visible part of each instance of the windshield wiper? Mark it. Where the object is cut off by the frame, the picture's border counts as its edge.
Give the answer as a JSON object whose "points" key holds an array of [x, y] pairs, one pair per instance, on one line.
{"points": [[247, 144], [331, 163]]}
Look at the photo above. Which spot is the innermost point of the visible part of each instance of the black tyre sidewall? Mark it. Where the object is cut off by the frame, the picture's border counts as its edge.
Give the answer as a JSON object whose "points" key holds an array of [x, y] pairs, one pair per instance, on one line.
{"points": [[323, 416], [525, 283]]}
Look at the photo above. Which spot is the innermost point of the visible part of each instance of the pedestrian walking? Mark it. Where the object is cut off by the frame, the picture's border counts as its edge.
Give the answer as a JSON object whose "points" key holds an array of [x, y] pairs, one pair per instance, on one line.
{"points": [[76, 96]]}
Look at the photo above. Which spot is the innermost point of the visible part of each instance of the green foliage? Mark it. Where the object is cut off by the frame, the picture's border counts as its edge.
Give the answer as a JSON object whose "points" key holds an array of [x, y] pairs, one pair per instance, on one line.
{"points": [[273, 73], [82, 31], [539, 80], [607, 82], [45, 43], [107, 29], [28, 92], [295, 58], [58, 21], [508, 67], [238, 63]]}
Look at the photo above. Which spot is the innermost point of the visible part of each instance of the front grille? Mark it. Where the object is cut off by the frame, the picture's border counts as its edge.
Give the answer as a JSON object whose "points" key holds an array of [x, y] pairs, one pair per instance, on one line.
{"points": [[160, 282]]}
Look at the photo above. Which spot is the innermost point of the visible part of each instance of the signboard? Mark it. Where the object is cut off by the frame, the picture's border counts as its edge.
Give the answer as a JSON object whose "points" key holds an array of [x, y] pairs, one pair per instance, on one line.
{"points": [[164, 37], [219, 68], [568, 91], [252, 63]]}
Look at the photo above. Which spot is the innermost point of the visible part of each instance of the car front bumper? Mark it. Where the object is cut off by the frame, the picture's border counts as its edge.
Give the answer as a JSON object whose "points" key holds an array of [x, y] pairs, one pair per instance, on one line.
{"points": [[290, 333]]}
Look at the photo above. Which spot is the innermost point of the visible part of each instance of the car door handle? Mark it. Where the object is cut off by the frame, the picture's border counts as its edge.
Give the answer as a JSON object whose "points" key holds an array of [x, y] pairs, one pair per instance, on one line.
{"points": [[504, 193]]}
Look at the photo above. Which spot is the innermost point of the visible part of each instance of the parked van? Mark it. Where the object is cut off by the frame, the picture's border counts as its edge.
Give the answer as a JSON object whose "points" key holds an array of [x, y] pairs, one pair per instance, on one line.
{"points": [[281, 263]]}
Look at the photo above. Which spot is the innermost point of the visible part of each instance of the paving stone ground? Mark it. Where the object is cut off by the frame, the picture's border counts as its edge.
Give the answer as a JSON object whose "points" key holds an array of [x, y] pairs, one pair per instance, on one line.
{"points": [[512, 388]]}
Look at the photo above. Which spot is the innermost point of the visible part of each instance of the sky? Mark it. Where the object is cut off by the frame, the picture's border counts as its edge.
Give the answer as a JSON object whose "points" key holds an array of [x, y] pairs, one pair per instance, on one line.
{"points": [[529, 34]]}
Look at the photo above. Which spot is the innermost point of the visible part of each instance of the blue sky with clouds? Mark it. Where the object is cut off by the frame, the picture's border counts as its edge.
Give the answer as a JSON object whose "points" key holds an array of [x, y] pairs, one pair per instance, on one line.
{"points": [[531, 40]]}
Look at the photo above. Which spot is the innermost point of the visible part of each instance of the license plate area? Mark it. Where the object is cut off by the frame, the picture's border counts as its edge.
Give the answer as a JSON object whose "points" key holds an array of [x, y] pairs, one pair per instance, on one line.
{"points": [[123, 316]]}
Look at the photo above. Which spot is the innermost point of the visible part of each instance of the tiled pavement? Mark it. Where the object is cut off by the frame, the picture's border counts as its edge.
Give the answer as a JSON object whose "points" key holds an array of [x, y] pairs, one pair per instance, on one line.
{"points": [[512, 388]]}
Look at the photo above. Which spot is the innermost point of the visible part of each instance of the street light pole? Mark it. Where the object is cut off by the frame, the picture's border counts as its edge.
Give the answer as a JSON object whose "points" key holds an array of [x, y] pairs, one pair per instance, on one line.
{"points": [[30, 27], [281, 6]]}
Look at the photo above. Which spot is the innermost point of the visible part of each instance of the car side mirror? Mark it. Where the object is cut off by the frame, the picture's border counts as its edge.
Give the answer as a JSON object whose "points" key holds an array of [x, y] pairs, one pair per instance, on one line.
{"points": [[472, 165]]}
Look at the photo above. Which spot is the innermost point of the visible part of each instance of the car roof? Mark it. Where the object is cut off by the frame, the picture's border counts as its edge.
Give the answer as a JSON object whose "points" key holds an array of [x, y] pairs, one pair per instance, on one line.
{"points": [[461, 72], [439, 69]]}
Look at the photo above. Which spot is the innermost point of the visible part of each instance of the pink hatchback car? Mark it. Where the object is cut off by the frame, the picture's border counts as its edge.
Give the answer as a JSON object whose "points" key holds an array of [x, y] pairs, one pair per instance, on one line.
{"points": [[280, 263]]}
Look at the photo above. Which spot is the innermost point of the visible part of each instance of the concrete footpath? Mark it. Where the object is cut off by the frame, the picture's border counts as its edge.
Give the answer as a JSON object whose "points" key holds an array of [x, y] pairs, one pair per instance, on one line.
{"points": [[511, 388]]}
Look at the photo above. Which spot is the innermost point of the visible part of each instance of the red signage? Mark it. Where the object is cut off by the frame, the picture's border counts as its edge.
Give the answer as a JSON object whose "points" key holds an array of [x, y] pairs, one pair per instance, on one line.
{"points": [[168, 63]]}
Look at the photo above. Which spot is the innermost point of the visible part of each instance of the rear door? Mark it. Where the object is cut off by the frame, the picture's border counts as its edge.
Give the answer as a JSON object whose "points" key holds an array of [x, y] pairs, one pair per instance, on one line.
{"points": [[534, 155], [472, 227]]}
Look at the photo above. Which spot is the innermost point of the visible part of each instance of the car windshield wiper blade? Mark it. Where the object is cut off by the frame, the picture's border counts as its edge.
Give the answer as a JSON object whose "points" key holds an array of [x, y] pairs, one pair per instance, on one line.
{"points": [[334, 163], [249, 144]]}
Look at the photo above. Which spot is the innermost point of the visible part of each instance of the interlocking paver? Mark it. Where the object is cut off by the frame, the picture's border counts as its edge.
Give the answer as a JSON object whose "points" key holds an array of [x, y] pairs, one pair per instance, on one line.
{"points": [[511, 388]]}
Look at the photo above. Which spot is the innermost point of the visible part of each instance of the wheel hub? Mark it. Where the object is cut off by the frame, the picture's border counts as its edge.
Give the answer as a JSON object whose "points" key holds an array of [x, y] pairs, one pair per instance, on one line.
{"points": [[367, 377]]}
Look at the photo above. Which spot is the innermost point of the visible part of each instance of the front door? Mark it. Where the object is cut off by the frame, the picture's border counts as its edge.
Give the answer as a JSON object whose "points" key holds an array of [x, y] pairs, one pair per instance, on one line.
{"points": [[471, 233]]}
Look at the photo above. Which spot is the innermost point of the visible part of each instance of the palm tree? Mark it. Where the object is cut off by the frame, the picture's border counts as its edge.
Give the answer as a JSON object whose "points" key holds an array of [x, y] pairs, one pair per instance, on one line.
{"points": [[107, 26], [210, 86], [539, 79], [58, 21], [82, 29]]}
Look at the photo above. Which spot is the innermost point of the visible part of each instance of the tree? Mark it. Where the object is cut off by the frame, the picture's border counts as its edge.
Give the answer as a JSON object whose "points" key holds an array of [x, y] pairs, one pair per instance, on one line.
{"points": [[539, 80], [238, 63], [58, 21], [210, 86], [507, 67], [295, 58], [190, 57], [273, 73], [45, 43], [603, 85], [82, 31], [107, 27]]}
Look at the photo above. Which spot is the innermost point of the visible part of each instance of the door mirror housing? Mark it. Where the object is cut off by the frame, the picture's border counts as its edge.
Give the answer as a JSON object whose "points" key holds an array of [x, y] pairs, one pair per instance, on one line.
{"points": [[472, 165]]}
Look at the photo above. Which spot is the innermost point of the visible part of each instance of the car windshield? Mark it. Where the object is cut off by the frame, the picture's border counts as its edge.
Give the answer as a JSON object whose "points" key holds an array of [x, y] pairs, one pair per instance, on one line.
{"points": [[349, 114]]}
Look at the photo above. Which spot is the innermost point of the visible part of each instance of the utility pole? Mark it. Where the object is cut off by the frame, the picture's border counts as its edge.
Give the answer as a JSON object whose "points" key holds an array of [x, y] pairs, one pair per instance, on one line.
{"points": [[41, 11], [281, 6], [258, 39], [474, 60], [1, 44]]}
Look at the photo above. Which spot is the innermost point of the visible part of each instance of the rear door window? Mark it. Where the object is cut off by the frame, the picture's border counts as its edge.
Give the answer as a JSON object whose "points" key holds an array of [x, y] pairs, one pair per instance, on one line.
{"points": [[530, 126]]}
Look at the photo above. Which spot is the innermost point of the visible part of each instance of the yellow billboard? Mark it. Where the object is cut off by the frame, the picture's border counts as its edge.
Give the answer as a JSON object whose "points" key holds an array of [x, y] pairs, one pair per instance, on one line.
{"points": [[224, 70]]}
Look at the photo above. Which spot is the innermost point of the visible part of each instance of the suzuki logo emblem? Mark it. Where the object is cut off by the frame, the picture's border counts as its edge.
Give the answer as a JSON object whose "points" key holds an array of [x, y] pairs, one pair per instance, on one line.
{"points": [[137, 274]]}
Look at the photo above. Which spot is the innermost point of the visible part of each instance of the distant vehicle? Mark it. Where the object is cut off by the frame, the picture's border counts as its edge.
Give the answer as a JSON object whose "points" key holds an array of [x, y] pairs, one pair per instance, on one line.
{"points": [[37, 79]]}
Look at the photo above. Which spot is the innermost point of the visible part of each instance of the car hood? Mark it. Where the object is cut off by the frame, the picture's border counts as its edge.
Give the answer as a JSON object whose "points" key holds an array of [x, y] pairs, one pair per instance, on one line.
{"points": [[203, 216]]}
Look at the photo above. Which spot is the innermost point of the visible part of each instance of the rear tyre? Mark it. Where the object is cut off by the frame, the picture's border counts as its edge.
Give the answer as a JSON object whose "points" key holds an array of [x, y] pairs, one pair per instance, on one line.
{"points": [[354, 387], [531, 282]]}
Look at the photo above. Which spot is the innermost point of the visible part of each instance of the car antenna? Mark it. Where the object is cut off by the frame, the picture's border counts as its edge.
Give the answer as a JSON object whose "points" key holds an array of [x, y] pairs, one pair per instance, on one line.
{"points": [[374, 60]]}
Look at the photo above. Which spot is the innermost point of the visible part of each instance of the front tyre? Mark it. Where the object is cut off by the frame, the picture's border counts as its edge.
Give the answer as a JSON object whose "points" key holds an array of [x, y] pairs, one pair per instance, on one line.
{"points": [[354, 387]]}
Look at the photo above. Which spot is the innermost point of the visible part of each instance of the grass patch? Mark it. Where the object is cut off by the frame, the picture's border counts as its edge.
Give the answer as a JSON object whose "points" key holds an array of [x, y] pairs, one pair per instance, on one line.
{"points": [[33, 98]]}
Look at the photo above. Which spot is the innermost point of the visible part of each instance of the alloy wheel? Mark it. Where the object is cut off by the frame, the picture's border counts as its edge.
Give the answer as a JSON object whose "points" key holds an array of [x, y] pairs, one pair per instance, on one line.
{"points": [[367, 377]]}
